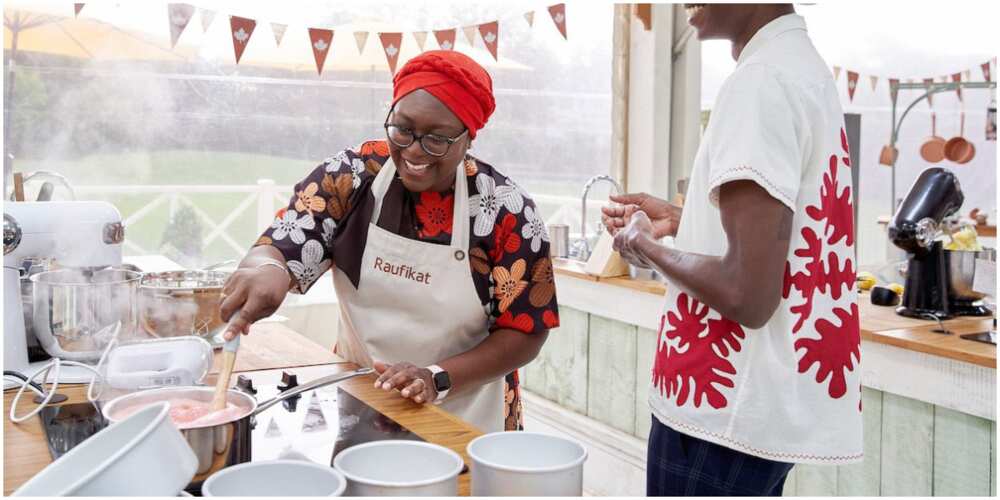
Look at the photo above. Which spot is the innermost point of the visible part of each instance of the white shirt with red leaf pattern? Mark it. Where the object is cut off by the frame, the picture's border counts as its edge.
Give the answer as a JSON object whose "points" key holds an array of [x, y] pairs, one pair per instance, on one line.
{"points": [[791, 390]]}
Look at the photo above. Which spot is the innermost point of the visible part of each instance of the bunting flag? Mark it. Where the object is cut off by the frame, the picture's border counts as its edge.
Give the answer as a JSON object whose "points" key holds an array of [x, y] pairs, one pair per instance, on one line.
{"points": [[179, 15], [874, 80], [986, 71], [361, 38], [391, 43], [320, 39], [967, 75], [558, 13], [836, 73], [957, 78], [242, 29], [530, 17], [893, 89], [207, 16], [421, 38], [279, 32], [491, 35], [927, 84], [852, 84], [470, 35], [77, 7], [446, 38]]}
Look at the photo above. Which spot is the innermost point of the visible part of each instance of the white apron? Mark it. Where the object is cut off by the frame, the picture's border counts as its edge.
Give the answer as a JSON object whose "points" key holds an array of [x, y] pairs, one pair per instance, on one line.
{"points": [[417, 302]]}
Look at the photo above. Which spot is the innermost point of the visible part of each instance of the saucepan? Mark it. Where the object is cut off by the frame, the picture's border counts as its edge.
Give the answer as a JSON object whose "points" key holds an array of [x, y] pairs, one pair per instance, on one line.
{"points": [[223, 442], [143, 455]]}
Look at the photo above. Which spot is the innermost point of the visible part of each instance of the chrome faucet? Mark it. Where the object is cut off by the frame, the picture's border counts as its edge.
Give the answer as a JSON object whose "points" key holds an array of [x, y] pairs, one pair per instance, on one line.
{"points": [[581, 249]]}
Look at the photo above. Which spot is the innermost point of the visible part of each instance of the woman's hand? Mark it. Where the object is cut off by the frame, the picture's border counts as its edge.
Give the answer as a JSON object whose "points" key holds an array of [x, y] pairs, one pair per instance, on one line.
{"points": [[415, 383], [256, 292], [628, 240], [665, 216]]}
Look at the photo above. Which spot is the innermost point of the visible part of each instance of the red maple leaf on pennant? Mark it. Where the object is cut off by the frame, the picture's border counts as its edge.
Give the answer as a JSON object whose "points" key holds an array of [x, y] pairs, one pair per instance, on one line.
{"points": [[836, 208], [837, 350], [698, 364]]}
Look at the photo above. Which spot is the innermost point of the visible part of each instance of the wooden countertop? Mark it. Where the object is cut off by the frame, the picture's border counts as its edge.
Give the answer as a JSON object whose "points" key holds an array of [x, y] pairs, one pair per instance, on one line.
{"points": [[878, 324], [268, 347]]}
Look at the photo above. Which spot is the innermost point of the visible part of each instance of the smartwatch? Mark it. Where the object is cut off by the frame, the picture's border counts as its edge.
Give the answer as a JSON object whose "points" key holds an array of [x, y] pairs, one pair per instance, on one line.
{"points": [[442, 382]]}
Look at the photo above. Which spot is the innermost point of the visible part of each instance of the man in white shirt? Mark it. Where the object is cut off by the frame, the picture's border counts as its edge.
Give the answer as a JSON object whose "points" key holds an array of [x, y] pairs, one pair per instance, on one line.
{"points": [[758, 353]]}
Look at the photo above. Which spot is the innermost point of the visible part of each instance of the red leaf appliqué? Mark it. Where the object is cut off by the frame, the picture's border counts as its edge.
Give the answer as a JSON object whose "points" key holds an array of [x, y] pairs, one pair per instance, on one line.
{"points": [[847, 149], [836, 208], [698, 364], [837, 350]]}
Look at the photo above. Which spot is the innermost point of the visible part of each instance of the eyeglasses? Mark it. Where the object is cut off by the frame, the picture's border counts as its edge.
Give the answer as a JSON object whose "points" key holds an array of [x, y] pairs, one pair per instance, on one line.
{"points": [[432, 144]]}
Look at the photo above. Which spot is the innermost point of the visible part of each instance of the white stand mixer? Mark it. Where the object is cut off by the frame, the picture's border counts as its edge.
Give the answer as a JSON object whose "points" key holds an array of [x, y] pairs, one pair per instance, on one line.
{"points": [[71, 234]]}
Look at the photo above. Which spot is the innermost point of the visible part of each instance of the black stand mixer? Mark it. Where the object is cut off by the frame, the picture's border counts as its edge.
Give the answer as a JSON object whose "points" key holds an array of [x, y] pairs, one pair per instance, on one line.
{"points": [[934, 277]]}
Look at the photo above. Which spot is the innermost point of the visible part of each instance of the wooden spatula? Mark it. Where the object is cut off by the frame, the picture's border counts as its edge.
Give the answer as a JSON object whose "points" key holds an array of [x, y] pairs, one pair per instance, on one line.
{"points": [[228, 360]]}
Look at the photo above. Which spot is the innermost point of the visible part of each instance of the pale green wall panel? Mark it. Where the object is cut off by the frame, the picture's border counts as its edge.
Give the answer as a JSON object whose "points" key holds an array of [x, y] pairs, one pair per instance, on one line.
{"points": [[611, 381], [816, 480], [961, 454], [645, 352], [864, 479], [993, 458], [790, 483], [907, 446], [559, 373]]}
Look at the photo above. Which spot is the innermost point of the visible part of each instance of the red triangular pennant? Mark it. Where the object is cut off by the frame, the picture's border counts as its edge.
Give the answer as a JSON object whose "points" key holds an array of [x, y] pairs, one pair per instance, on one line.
{"points": [[242, 29], [391, 43], [179, 15], [558, 13], [321, 40], [957, 78], [927, 84], [986, 71], [446, 38], [852, 84], [77, 7], [491, 35]]}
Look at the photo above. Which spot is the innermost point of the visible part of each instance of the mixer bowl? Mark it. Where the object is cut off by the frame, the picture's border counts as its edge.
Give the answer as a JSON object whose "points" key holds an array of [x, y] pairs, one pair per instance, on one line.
{"points": [[74, 310], [962, 270], [176, 303]]}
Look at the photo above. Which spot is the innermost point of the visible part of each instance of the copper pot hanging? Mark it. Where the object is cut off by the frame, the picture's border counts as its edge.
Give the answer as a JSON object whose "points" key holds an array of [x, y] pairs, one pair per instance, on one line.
{"points": [[957, 149], [932, 150]]}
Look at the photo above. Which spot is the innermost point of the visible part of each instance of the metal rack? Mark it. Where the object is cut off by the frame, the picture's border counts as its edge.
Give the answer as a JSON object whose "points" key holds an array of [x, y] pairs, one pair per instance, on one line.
{"points": [[933, 88]]}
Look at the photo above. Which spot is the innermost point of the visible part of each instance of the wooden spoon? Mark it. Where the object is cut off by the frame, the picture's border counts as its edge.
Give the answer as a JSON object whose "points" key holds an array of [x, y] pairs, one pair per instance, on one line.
{"points": [[226, 371]]}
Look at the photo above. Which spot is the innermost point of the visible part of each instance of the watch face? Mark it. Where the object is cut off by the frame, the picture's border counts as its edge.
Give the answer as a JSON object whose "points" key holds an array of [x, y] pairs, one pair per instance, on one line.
{"points": [[442, 382]]}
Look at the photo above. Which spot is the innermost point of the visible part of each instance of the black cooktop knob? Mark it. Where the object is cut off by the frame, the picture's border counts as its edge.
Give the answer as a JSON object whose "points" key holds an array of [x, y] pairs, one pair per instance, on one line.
{"points": [[244, 384], [288, 381]]}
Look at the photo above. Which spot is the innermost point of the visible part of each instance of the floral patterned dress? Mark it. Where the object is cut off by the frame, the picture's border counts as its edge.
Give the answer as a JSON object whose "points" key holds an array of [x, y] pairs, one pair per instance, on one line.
{"points": [[326, 224]]}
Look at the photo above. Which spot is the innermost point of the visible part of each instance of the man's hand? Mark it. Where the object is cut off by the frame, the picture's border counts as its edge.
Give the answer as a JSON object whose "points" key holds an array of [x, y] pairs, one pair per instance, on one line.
{"points": [[413, 382], [628, 240], [256, 292], [665, 216]]}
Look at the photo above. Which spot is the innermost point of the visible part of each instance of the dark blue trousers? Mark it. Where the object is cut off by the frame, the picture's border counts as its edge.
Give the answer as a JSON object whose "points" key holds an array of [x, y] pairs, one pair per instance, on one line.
{"points": [[681, 465]]}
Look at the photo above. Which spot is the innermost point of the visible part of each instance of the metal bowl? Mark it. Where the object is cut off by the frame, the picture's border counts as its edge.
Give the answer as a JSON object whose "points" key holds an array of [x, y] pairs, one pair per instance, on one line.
{"points": [[962, 270], [177, 303]]}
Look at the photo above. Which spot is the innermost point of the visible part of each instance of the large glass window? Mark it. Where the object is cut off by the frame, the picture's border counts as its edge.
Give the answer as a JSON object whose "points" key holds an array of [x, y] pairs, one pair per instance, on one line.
{"points": [[178, 138]]}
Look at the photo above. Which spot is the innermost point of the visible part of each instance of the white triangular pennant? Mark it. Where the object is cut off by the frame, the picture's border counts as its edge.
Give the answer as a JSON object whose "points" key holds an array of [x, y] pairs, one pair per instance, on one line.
{"points": [[206, 19], [279, 32], [421, 37], [836, 72], [470, 34], [530, 17], [361, 37], [874, 80]]}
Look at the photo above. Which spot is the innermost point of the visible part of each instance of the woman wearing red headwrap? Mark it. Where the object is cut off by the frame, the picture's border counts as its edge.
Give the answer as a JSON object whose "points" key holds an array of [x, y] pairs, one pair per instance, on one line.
{"points": [[440, 261]]}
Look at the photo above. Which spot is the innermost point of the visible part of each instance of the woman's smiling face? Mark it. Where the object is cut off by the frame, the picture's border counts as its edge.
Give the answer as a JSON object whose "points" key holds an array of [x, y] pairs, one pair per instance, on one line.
{"points": [[422, 113]]}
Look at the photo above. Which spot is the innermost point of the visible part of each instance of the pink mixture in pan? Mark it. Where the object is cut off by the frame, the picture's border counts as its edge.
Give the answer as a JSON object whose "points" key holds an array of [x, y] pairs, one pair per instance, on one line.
{"points": [[186, 413]]}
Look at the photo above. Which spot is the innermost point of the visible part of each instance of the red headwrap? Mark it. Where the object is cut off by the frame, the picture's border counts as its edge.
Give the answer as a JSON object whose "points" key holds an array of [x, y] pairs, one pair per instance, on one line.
{"points": [[455, 80]]}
